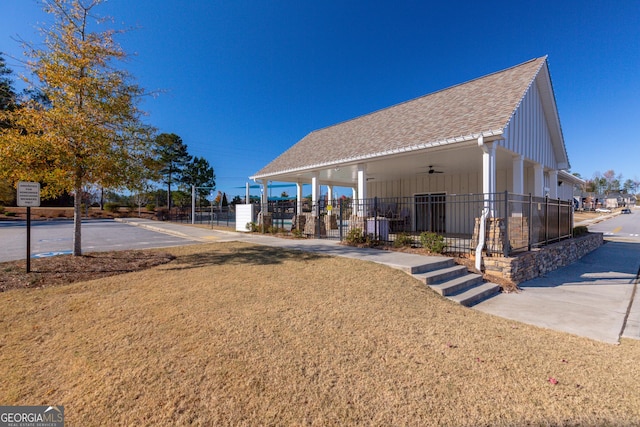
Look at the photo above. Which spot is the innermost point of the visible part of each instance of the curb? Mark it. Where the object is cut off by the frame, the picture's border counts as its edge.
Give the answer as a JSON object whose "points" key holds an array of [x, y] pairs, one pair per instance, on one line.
{"points": [[158, 229], [593, 221]]}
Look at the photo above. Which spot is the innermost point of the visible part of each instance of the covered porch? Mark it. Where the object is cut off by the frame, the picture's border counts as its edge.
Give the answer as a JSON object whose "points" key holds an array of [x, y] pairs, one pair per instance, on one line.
{"points": [[460, 162]]}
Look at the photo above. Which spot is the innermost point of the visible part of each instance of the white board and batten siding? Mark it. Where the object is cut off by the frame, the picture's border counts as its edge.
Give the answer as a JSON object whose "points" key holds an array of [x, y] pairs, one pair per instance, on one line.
{"points": [[528, 132], [464, 183], [244, 215]]}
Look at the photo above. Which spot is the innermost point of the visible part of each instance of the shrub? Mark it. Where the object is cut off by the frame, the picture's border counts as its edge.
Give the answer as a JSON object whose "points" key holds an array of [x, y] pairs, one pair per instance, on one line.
{"points": [[150, 207], [9, 214], [274, 230], [111, 207], [432, 242], [298, 234], [580, 230], [402, 240], [355, 236], [1, 209]]}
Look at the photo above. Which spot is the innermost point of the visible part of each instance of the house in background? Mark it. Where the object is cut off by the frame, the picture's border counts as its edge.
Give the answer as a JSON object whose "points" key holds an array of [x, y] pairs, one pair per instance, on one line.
{"points": [[495, 134]]}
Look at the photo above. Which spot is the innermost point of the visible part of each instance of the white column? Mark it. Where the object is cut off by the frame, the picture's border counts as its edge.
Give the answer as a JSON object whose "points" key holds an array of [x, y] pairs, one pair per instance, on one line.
{"points": [[247, 198], [488, 188], [265, 191], [488, 173], [331, 208], [553, 184], [518, 175], [538, 180], [264, 201], [354, 200], [362, 189], [299, 197], [315, 192], [518, 183]]}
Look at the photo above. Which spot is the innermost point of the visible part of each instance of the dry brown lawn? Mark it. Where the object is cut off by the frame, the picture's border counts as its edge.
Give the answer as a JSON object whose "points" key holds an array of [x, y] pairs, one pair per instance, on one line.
{"points": [[235, 334], [585, 215]]}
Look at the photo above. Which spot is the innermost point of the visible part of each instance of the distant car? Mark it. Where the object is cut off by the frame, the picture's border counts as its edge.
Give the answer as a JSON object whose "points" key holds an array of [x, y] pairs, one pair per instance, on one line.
{"points": [[625, 211], [603, 210]]}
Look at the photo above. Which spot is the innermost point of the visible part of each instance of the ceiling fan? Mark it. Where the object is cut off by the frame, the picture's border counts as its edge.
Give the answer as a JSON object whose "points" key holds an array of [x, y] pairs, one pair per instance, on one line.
{"points": [[430, 171]]}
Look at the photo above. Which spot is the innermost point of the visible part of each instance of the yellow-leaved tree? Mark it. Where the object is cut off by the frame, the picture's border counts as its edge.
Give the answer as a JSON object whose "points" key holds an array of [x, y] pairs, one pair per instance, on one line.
{"points": [[85, 126]]}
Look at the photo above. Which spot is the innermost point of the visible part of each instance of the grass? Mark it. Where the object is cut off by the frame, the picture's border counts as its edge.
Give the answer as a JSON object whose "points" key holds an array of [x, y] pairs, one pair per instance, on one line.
{"points": [[585, 215], [235, 334]]}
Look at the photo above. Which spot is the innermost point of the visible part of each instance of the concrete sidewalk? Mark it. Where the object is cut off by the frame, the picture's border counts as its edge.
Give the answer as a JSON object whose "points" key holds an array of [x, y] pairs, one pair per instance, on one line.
{"points": [[591, 297], [399, 260], [595, 297]]}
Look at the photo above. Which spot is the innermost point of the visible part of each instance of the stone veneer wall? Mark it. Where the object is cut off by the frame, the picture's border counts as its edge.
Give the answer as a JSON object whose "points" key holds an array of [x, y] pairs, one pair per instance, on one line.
{"points": [[539, 261], [306, 222]]}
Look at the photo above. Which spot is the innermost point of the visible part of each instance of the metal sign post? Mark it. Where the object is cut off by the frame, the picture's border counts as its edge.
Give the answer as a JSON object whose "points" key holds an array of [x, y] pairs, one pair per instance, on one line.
{"points": [[28, 239], [28, 196]]}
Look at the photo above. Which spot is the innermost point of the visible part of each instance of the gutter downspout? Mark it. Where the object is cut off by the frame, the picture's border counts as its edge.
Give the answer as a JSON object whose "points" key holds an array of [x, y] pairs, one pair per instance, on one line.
{"points": [[481, 237]]}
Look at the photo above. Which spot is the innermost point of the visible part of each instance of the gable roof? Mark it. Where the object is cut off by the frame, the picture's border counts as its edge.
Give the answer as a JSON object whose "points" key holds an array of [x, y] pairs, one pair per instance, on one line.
{"points": [[483, 106]]}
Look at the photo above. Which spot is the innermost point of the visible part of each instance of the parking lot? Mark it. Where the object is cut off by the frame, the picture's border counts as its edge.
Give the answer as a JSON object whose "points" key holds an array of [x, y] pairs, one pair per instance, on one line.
{"points": [[55, 237]]}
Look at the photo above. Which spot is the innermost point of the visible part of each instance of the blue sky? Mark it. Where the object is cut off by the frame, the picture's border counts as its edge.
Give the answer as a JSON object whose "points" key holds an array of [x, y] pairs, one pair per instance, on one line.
{"points": [[242, 80]]}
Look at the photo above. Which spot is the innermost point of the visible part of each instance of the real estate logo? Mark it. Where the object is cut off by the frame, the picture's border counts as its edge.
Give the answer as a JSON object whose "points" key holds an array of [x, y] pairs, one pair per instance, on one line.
{"points": [[31, 416]]}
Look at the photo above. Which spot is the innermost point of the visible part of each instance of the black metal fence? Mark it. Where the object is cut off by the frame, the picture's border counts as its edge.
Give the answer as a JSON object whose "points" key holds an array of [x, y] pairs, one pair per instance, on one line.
{"points": [[280, 214], [218, 215], [515, 222]]}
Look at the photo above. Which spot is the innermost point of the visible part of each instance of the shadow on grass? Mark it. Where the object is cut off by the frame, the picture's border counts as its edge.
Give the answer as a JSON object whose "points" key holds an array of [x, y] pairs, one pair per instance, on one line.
{"points": [[258, 255]]}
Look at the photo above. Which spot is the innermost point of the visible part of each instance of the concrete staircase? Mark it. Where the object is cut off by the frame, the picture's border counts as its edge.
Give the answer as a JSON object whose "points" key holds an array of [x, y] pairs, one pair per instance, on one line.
{"points": [[455, 282]]}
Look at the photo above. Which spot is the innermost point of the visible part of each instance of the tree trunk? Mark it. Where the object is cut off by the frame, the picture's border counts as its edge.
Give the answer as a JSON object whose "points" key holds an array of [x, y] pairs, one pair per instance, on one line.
{"points": [[169, 196], [77, 222]]}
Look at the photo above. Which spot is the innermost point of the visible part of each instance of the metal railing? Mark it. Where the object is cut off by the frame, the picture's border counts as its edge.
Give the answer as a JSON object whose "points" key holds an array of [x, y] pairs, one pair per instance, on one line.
{"points": [[218, 216], [516, 223]]}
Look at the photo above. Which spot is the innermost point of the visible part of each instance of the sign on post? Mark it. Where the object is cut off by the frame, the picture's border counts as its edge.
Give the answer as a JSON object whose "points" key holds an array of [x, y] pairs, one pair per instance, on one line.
{"points": [[29, 197], [28, 194]]}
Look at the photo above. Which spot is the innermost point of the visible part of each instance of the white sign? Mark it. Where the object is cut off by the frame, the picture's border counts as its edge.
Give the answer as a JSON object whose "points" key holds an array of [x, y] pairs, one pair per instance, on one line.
{"points": [[28, 194]]}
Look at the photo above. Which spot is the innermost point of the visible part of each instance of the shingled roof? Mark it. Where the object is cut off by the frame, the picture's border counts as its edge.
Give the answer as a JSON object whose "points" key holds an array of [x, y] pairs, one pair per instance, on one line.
{"points": [[459, 113]]}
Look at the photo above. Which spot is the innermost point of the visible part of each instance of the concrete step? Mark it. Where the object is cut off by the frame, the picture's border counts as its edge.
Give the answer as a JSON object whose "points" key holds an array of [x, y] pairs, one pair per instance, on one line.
{"points": [[476, 294], [457, 284], [441, 275], [435, 263]]}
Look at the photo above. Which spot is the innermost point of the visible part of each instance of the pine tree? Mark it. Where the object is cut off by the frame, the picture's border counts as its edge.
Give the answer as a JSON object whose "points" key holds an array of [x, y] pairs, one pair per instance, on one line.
{"points": [[200, 174], [173, 157]]}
